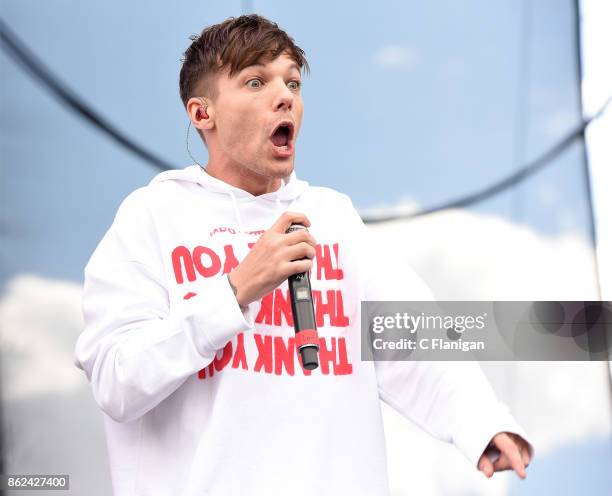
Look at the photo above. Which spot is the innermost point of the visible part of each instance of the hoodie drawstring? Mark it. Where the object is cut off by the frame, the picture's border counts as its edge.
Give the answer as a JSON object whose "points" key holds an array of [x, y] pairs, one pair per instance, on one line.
{"points": [[236, 211], [278, 208]]}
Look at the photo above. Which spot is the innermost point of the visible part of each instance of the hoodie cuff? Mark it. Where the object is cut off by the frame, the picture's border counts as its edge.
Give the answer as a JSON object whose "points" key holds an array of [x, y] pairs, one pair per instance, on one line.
{"points": [[473, 434], [216, 316]]}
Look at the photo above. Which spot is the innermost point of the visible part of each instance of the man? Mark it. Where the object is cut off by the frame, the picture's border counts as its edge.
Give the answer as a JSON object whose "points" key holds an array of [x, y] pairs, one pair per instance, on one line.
{"points": [[189, 341]]}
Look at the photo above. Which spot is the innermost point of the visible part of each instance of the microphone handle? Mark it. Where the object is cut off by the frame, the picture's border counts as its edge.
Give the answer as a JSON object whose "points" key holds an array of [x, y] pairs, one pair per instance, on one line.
{"points": [[302, 307]]}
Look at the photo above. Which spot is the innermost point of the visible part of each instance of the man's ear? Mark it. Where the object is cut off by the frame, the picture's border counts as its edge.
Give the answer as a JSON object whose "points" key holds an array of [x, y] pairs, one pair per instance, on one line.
{"points": [[200, 120]]}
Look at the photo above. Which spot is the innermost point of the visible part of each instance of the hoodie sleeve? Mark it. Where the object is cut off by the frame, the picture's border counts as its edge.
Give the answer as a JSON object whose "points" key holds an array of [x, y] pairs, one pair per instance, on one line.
{"points": [[137, 348], [452, 401]]}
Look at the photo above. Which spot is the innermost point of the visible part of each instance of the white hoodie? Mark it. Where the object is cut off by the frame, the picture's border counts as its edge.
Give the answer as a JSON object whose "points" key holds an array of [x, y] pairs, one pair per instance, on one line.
{"points": [[200, 398]]}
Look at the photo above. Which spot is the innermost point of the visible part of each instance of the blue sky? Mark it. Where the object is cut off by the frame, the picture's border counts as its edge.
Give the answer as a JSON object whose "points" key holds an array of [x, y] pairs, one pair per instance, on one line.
{"points": [[407, 102]]}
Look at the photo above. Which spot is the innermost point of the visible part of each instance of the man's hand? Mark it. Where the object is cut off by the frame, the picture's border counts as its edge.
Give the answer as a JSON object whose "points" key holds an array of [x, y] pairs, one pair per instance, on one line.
{"points": [[514, 455], [274, 258]]}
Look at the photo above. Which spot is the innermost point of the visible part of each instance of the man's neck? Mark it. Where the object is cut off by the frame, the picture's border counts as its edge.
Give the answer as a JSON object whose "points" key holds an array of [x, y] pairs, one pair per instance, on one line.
{"points": [[244, 179]]}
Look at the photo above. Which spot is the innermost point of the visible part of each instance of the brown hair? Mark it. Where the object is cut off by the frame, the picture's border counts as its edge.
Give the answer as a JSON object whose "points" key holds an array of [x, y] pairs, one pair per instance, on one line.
{"points": [[236, 43]]}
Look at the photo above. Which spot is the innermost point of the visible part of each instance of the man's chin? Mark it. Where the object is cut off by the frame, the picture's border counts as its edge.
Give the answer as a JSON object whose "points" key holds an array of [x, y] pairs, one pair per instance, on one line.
{"points": [[279, 169], [270, 167]]}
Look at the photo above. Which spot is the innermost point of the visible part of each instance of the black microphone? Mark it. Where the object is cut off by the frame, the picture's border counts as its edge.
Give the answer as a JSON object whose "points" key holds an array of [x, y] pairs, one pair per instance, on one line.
{"points": [[306, 337]]}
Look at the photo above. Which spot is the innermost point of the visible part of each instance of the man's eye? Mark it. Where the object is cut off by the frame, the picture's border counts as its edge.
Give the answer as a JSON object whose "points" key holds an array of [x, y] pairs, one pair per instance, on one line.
{"points": [[296, 84], [256, 80]]}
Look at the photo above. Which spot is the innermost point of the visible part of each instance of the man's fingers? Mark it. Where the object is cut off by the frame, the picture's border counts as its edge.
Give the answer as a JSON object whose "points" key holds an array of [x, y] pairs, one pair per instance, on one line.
{"points": [[298, 266], [511, 453], [299, 251], [525, 454], [502, 463], [299, 236], [486, 466], [287, 218]]}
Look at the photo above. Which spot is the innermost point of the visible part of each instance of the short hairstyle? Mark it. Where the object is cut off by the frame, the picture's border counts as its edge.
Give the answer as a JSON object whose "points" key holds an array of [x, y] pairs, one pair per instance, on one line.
{"points": [[234, 44]]}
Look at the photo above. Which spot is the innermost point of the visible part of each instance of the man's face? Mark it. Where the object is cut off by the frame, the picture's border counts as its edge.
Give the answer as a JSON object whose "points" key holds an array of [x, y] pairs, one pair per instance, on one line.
{"points": [[247, 111]]}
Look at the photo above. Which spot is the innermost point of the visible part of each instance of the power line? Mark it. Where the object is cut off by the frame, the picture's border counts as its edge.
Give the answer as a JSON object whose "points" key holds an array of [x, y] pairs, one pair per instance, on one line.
{"points": [[585, 158], [17, 50], [511, 180], [587, 176], [23, 56]]}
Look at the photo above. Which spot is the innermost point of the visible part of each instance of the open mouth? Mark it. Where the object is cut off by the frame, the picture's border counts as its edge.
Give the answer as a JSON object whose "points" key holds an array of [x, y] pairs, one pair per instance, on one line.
{"points": [[282, 135]]}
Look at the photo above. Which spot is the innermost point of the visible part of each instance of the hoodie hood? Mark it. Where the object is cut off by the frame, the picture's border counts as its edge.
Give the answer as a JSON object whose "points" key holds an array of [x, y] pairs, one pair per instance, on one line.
{"points": [[283, 198]]}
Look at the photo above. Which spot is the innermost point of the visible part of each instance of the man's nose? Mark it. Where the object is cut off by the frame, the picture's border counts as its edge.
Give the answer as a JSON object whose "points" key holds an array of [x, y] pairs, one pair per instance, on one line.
{"points": [[283, 98]]}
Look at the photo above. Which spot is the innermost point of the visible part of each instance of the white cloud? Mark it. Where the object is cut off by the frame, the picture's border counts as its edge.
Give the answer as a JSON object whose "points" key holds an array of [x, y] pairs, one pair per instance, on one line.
{"points": [[394, 56], [403, 206], [50, 415], [465, 256], [39, 321]]}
